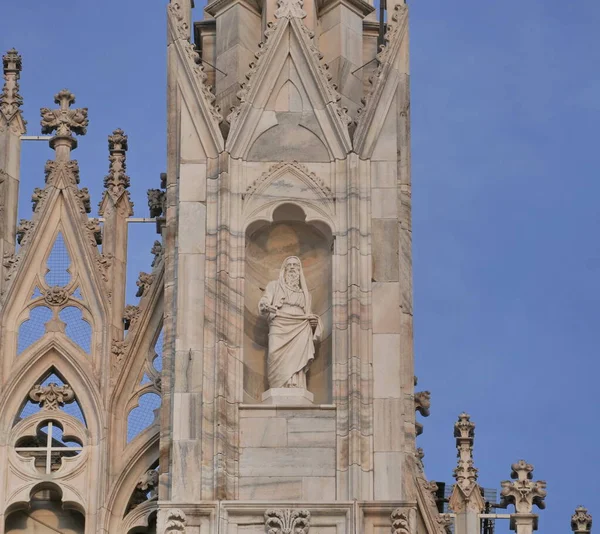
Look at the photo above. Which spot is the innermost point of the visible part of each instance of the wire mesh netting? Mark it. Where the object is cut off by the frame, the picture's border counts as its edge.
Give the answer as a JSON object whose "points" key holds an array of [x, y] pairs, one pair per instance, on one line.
{"points": [[36, 293], [58, 264], [33, 328], [145, 380], [77, 294], [143, 415], [73, 409], [77, 329], [158, 348]]}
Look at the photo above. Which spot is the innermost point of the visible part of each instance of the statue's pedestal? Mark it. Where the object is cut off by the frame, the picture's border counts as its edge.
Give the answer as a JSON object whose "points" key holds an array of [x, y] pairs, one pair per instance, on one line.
{"points": [[293, 396]]}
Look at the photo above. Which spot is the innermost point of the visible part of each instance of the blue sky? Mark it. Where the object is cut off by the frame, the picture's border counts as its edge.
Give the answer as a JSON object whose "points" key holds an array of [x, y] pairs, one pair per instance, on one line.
{"points": [[505, 109]]}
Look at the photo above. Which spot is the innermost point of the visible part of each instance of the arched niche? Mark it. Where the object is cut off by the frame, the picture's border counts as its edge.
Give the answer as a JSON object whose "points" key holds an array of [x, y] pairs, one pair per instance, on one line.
{"points": [[45, 512], [268, 243]]}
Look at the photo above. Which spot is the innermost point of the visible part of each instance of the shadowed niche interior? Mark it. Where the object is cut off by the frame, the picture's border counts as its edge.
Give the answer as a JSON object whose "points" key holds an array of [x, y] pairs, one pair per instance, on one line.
{"points": [[267, 245], [46, 513]]}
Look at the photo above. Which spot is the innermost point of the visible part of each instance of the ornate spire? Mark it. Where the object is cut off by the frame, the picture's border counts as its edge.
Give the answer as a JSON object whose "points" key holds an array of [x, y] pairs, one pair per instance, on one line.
{"points": [[466, 493], [65, 122], [523, 493], [117, 181], [581, 521], [464, 432], [10, 99]]}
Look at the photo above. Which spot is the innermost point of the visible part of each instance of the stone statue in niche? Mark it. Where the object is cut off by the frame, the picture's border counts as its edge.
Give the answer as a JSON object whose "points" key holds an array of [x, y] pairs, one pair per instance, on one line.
{"points": [[293, 328]]}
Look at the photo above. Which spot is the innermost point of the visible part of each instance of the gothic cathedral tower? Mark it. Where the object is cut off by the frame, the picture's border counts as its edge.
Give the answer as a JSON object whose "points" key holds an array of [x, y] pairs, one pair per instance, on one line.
{"points": [[264, 382]]}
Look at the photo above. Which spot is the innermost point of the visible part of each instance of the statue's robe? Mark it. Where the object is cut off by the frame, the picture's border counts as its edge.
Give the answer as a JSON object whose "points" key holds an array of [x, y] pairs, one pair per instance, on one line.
{"points": [[291, 337]]}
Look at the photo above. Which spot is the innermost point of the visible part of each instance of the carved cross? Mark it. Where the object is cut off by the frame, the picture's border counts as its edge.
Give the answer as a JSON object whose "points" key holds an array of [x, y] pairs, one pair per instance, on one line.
{"points": [[581, 521], [523, 493], [52, 396], [64, 121]]}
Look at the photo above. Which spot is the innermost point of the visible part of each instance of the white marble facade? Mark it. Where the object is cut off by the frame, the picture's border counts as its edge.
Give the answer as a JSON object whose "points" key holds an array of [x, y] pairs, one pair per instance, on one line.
{"points": [[301, 149]]}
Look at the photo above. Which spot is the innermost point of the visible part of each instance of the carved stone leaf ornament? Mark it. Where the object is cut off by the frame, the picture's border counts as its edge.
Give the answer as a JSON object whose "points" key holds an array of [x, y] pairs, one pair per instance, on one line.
{"points": [[145, 280], [422, 405], [156, 202], [175, 521], [56, 296], [400, 524], [24, 231], [130, 315], [52, 396], [522, 492], [287, 521]]}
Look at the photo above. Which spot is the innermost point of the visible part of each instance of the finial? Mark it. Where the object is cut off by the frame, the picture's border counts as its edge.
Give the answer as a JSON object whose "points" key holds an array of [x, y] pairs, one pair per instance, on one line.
{"points": [[65, 122], [581, 521], [464, 432], [523, 493], [117, 181], [10, 99]]}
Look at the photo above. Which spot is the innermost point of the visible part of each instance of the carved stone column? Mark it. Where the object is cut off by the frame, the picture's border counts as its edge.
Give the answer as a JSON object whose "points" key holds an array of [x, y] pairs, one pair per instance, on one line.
{"points": [[12, 126]]}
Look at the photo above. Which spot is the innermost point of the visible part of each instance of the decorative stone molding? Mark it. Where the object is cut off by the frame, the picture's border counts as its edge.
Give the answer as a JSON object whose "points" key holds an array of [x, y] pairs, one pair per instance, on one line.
{"points": [[157, 250], [24, 231], [422, 405], [181, 32], [400, 524], [52, 397], [104, 262], [36, 197], [10, 99], [83, 195], [130, 315], [175, 521], [182, 28], [56, 296], [157, 202], [64, 121], [9, 262], [523, 493], [94, 232], [318, 183], [145, 280], [287, 521], [581, 521], [118, 351], [68, 170], [290, 9]]}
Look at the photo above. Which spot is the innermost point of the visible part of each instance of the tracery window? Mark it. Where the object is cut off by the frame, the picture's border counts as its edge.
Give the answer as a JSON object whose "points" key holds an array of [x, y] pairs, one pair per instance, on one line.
{"points": [[146, 400], [57, 303], [49, 433]]}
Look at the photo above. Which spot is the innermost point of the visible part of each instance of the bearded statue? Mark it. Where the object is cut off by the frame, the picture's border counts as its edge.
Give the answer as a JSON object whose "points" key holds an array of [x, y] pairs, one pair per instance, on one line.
{"points": [[293, 328]]}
